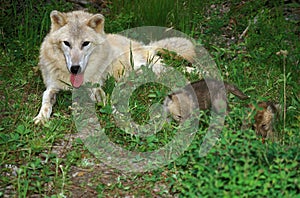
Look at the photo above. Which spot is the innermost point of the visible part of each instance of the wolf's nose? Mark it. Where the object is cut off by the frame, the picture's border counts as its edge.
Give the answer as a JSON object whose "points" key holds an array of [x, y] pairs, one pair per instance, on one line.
{"points": [[75, 69]]}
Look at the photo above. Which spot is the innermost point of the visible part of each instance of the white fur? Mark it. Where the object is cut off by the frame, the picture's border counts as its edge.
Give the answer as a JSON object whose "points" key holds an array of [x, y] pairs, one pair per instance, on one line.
{"points": [[78, 38]]}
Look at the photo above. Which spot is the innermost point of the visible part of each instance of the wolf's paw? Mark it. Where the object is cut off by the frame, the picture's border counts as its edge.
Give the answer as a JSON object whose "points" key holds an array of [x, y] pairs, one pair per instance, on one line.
{"points": [[39, 120], [98, 95], [43, 115]]}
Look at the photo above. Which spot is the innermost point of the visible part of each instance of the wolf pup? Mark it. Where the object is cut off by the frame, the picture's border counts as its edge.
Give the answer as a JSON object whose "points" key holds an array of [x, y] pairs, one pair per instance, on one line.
{"points": [[180, 104], [265, 114], [77, 51]]}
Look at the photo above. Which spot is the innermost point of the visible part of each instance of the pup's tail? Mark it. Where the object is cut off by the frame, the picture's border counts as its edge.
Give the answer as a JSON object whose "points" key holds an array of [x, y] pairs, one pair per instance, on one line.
{"points": [[181, 46], [235, 91]]}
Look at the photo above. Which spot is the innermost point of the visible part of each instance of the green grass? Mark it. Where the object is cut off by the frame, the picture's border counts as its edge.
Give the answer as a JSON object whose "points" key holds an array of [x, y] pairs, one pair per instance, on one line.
{"points": [[50, 161]]}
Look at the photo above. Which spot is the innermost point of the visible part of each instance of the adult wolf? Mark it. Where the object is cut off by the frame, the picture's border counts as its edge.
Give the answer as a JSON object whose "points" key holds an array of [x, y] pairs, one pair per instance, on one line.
{"points": [[77, 51]]}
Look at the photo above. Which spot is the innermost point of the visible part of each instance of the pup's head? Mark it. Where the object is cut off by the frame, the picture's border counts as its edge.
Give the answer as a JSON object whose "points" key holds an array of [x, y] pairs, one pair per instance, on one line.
{"points": [[76, 34], [180, 105], [264, 117]]}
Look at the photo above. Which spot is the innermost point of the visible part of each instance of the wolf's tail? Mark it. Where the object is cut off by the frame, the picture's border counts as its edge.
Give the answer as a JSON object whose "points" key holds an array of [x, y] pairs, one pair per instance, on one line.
{"points": [[181, 46], [235, 91]]}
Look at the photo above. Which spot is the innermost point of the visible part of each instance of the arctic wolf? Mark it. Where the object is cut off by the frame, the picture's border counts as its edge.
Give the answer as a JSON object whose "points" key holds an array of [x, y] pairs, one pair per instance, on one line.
{"points": [[180, 104], [77, 51]]}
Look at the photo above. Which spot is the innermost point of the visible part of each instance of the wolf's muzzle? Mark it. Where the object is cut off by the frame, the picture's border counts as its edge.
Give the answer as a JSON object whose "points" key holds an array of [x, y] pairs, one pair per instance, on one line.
{"points": [[75, 69]]}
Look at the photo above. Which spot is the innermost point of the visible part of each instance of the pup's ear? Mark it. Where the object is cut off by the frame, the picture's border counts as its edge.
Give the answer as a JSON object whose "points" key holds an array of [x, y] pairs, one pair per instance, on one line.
{"points": [[270, 109], [274, 108], [97, 23], [278, 107], [250, 106], [58, 20]]}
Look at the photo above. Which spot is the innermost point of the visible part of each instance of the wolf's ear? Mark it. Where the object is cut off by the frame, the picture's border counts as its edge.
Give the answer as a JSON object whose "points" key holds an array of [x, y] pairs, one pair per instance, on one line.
{"points": [[250, 106], [278, 107], [58, 20], [97, 23], [274, 108], [271, 109]]}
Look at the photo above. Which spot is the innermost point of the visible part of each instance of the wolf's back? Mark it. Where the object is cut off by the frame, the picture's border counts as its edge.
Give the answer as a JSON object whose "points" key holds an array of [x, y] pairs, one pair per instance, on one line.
{"points": [[182, 46]]}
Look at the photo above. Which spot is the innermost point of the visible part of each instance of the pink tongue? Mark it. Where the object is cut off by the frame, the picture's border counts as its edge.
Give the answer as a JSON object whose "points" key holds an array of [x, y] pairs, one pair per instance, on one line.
{"points": [[76, 80]]}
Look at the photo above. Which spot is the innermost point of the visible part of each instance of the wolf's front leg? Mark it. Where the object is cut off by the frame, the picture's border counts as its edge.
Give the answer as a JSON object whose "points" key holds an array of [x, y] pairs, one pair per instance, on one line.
{"points": [[98, 95], [49, 98]]}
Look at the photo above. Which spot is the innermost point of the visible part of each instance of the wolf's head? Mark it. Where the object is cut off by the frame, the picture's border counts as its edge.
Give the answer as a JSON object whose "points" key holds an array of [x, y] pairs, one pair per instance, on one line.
{"points": [[76, 35], [180, 105], [264, 117]]}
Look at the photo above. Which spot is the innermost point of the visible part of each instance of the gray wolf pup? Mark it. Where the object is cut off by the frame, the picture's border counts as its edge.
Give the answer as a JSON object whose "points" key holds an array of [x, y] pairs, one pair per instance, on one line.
{"points": [[265, 114], [77, 51], [180, 104]]}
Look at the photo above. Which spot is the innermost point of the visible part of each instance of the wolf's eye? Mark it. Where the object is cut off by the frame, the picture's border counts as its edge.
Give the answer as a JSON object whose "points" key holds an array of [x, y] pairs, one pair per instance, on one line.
{"points": [[178, 117], [66, 43], [264, 126], [85, 43]]}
